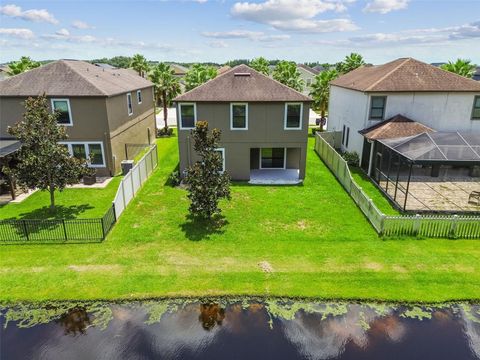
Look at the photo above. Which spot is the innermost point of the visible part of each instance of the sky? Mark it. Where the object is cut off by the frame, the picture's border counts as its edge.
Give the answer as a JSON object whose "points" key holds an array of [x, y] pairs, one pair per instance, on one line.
{"points": [[222, 30]]}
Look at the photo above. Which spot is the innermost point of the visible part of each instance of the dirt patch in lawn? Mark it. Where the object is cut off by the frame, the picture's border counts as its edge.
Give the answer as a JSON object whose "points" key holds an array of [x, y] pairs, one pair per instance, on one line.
{"points": [[265, 266], [373, 266], [94, 268]]}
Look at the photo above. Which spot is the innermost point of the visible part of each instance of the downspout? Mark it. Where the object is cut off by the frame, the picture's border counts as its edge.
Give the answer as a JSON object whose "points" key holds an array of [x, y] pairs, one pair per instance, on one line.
{"points": [[370, 161]]}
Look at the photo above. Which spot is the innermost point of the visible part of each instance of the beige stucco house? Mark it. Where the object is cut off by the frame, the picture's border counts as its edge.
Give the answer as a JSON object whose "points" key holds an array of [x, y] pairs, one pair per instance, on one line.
{"points": [[264, 125], [103, 109]]}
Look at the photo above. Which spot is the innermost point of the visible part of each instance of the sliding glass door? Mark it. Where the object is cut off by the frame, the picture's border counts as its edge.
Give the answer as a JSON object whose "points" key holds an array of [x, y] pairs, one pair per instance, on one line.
{"points": [[272, 158]]}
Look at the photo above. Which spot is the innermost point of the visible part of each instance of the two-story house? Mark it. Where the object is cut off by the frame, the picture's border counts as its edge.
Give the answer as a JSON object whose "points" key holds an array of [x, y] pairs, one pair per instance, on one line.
{"points": [[307, 74], [102, 109], [264, 125], [426, 97]]}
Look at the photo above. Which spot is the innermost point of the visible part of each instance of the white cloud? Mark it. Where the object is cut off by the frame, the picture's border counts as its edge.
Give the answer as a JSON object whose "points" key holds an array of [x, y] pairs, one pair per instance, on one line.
{"points": [[245, 34], [63, 32], [18, 33], [218, 44], [385, 6], [78, 24], [295, 15], [36, 15]]}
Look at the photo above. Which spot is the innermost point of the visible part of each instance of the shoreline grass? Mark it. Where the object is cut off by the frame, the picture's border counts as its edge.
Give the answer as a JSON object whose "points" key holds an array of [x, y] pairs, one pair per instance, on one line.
{"points": [[317, 242]]}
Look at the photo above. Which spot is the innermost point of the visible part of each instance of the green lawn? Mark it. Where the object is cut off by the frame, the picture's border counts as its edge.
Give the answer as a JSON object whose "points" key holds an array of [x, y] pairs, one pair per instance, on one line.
{"points": [[314, 238], [70, 204]]}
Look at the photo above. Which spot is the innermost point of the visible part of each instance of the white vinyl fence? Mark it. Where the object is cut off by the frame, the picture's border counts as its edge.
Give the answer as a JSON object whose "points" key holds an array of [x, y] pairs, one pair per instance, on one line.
{"points": [[444, 226], [134, 180]]}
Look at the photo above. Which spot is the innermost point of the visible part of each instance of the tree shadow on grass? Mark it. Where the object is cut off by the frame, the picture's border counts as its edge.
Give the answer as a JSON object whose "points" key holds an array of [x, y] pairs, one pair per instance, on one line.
{"points": [[198, 229], [59, 212]]}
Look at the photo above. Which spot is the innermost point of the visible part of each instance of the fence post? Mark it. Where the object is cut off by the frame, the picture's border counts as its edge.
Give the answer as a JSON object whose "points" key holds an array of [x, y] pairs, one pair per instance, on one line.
{"points": [[131, 182], [25, 229], [382, 225], [453, 229], [123, 193], [103, 228], [64, 229], [416, 224]]}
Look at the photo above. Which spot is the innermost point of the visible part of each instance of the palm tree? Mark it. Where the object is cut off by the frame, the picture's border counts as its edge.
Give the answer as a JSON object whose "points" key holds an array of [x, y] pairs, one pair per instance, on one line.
{"points": [[321, 92], [462, 67], [261, 65], [287, 73], [139, 64], [199, 74], [24, 64], [351, 62], [167, 87]]}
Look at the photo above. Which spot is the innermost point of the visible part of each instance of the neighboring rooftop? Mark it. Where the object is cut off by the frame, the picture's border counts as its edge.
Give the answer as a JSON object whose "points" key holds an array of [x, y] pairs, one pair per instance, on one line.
{"points": [[179, 69], [395, 127], [476, 75], [8, 146], [404, 75], [308, 68], [72, 78], [242, 83]]}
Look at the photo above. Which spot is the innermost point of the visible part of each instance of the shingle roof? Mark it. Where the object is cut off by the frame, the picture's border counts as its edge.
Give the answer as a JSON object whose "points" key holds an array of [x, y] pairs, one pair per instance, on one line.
{"points": [[309, 69], [242, 83], [404, 75], [397, 126], [72, 78]]}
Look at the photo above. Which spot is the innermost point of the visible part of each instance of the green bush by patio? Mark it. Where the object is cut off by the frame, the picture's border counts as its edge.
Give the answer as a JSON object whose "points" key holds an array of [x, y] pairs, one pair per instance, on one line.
{"points": [[307, 241]]}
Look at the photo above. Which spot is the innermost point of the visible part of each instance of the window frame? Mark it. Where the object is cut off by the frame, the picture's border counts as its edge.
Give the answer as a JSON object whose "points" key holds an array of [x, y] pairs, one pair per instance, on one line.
{"points": [[231, 117], [52, 100], [475, 99], [129, 104], [139, 97], [384, 97], [273, 168], [286, 113], [222, 150], [180, 120], [86, 145]]}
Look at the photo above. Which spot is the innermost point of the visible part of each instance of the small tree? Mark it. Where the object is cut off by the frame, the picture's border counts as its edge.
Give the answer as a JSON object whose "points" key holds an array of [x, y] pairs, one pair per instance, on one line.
{"points": [[198, 75], [43, 163], [261, 65], [167, 87], [460, 67], [351, 62], [321, 92], [287, 73], [207, 184]]}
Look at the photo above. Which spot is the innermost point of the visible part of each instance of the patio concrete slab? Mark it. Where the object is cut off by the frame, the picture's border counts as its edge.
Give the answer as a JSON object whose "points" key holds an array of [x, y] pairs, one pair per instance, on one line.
{"points": [[275, 177]]}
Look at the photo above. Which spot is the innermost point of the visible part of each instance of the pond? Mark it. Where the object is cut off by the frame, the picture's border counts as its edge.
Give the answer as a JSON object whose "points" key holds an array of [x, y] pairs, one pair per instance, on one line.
{"points": [[238, 329]]}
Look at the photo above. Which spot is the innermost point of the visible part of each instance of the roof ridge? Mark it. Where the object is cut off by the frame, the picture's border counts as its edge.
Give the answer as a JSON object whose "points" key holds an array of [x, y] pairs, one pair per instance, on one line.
{"points": [[405, 60], [81, 75]]}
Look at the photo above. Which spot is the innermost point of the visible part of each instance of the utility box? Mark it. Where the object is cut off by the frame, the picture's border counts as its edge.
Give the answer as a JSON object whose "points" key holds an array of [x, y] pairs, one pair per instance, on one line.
{"points": [[127, 165]]}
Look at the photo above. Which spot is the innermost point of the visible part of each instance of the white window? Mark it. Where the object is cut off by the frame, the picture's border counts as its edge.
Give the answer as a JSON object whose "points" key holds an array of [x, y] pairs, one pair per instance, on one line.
{"points": [[188, 115], [273, 158], [62, 108], [129, 104], [293, 116], [91, 151], [139, 96], [222, 152], [238, 116]]}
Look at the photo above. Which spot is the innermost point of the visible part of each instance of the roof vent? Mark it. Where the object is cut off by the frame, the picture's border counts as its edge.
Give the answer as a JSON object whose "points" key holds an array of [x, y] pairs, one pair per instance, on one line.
{"points": [[242, 74]]}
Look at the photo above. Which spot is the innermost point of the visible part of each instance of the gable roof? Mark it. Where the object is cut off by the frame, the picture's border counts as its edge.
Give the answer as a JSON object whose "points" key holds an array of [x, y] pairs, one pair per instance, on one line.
{"points": [[397, 126], [242, 83], [72, 78], [404, 75], [312, 71]]}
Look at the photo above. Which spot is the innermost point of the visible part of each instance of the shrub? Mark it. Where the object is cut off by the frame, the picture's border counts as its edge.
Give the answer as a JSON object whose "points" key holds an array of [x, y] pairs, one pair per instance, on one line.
{"points": [[351, 158], [174, 178], [164, 132]]}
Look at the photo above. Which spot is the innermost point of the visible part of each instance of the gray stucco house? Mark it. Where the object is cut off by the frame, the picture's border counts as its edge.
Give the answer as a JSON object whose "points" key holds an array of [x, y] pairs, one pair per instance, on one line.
{"points": [[264, 125], [103, 109]]}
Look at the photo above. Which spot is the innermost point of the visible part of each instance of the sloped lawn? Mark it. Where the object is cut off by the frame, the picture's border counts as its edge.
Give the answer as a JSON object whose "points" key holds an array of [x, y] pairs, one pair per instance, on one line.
{"points": [[307, 241]]}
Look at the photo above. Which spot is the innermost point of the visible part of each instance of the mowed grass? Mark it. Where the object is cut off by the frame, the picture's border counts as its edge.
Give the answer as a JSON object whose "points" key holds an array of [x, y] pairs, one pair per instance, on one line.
{"points": [[316, 241], [70, 204]]}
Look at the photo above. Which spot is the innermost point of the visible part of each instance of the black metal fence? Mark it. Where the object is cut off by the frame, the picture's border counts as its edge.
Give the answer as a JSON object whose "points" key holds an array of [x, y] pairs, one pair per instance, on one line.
{"points": [[57, 230]]}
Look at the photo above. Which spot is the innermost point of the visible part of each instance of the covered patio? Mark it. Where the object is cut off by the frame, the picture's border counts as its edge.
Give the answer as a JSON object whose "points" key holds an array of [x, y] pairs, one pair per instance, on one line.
{"points": [[438, 171], [275, 177]]}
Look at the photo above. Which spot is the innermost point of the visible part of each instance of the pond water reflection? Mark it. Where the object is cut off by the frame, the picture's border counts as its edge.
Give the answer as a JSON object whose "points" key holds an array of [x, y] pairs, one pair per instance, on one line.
{"points": [[238, 329]]}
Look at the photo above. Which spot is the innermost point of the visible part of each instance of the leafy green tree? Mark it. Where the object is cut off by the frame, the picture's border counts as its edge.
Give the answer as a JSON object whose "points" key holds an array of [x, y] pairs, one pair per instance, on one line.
{"points": [[261, 65], [24, 64], [122, 62], [43, 162], [139, 64], [462, 67], [167, 87], [287, 73], [351, 62], [321, 92], [207, 184], [199, 74]]}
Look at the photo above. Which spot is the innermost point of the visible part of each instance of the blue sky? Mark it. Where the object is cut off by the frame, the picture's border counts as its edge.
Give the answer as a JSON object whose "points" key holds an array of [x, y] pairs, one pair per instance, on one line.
{"points": [[215, 30]]}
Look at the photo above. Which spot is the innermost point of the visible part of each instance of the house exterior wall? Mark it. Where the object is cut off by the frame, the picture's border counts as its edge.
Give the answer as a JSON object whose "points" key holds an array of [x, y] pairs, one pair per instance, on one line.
{"points": [[138, 128], [442, 111], [265, 129], [307, 77]]}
